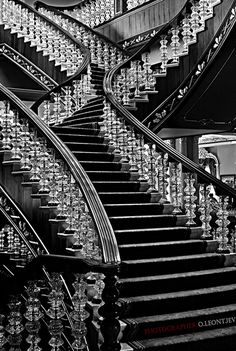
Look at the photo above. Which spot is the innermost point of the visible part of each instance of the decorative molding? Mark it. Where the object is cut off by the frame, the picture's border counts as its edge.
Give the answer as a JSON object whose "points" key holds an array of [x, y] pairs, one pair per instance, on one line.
{"points": [[140, 38], [30, 69]]}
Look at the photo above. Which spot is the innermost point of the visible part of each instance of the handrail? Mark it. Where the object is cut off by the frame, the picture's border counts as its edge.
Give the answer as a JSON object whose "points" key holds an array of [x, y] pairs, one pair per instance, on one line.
{"points": [[30, 64], [38, 4], [22, 215], [105, 231], [208, 56], [164, 147]]}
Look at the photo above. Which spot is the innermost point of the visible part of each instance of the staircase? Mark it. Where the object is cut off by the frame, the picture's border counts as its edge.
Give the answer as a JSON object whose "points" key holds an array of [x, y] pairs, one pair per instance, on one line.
{"points": [[177, 282], [172, 283]]}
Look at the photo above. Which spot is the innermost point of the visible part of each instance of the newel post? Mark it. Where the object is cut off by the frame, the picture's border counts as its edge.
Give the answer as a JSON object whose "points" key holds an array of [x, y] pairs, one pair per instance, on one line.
{"points": [[110, 326]]}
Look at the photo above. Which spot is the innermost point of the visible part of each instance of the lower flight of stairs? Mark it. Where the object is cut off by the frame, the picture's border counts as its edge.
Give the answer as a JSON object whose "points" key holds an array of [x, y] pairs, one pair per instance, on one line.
{"points": [[176, 293]]}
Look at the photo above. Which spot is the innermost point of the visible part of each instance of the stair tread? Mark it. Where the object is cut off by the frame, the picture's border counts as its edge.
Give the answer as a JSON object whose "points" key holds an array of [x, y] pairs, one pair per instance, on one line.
{"points": [[152, 229], [83, 143], [171, 258], [177, 275], [186, 314], [162, 243], [149, 216], [181, 293]]}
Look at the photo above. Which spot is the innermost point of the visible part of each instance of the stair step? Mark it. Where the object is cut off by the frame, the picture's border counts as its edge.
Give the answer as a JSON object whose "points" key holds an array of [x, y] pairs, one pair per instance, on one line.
{"points": [[93, 156], [162, 249], [108, 166], [164, 265], [77, 125], [125, 236], [121, 197], [172, 282], [90, 112], [72, 130], [115, 175], [176, 323], [178, 301], [94, 105], [124, 186], [80, 138], [137, 209], [148, 221], [89, 147], [82, 120], [216, 339]]}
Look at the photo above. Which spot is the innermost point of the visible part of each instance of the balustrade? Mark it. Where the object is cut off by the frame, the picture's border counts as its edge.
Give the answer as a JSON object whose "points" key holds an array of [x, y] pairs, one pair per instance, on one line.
{"points": [[103, 52], [94, 13], [45, 167], [47, 38], [174, 183], [137, 78]]}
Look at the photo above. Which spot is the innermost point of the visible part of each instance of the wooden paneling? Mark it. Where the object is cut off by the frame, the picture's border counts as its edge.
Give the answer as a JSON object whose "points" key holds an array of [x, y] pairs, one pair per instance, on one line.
{"points": [[140, 20]]}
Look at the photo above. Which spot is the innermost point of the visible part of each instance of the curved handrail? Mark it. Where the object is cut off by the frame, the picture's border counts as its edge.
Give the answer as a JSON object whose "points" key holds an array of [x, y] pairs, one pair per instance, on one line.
{"points": [[30, 64], [38, 4], [204, 63], [105, 231], [22, 216], [164, 147]]}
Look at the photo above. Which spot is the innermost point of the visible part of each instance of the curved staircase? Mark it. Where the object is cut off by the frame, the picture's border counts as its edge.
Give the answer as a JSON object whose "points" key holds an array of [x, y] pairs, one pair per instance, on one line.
{"points": [[177, 279], [171, 281]]}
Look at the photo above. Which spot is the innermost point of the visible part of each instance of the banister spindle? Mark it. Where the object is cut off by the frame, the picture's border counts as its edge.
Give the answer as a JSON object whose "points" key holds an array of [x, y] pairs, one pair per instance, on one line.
{"points": [[205, 209], [222, 221], [190, 198]]}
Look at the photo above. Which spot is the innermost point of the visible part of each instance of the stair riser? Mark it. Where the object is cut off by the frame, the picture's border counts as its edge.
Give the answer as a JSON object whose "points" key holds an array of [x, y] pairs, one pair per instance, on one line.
{"points": [[162, 251], [87, 147], [86, 113], [139, 222], [81, 131], [142, 209], [141, 237], [106, 187], [173, 266], [174, 284], [81, 138], [81, 120], [93, 157], [101, 176], [86, 125], [107, 166], [125, 198]]}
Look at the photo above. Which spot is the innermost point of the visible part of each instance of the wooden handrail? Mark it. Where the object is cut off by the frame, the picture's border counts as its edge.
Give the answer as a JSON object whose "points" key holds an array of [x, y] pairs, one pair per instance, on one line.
{"points": [[105, 231], [221, 188]]}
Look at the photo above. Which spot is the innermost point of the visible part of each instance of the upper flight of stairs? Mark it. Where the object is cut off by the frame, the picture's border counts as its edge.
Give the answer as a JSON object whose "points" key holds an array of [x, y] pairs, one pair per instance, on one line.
{"points": [[169, 276]]}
